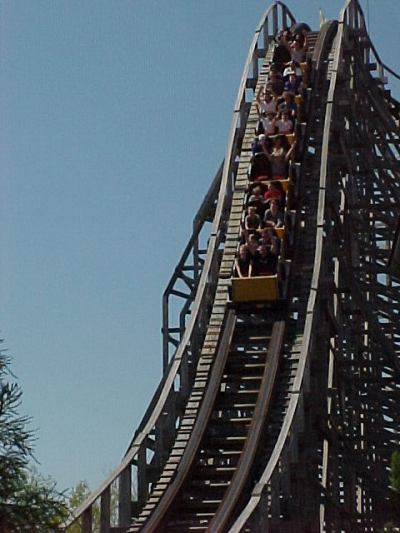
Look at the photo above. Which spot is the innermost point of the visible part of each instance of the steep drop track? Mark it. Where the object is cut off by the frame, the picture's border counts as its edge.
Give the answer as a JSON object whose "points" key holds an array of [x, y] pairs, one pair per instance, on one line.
{"points": [[208, 498], [261, 407]]}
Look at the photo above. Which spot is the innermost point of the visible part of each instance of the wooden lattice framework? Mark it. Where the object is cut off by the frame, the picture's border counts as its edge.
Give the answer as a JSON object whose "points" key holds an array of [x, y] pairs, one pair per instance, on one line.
{"points": [[334, 421]]}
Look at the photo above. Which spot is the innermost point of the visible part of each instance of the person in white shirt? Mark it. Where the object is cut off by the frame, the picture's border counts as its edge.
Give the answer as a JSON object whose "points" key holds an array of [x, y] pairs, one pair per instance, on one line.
{"points": [[292, 68], [284, 124], [265, 102], [269, 124], [298, 49]]}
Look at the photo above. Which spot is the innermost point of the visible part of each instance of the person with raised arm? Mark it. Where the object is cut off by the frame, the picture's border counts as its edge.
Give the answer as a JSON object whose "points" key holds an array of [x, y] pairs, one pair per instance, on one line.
{"points": [[279, 157], [243, 263]]}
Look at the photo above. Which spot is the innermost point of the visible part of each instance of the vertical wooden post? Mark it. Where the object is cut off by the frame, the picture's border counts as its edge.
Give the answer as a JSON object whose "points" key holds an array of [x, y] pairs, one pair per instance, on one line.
{"points": [[169, 417], [351, 16], [284, 17], [381, 73], [266, 35], [242, 114], [105, 514], [275, 496], [196, 269], [184, 375], [125, 496], [142, 475], [87, 521], [274, 20], [165, 333], [255, 64]]}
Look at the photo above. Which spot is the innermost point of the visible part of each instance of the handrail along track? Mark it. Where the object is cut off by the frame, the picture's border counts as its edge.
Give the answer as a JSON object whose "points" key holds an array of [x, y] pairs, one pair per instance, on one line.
{"points": [[149, 447], [182, 432], [265, 494], [263, 509]]}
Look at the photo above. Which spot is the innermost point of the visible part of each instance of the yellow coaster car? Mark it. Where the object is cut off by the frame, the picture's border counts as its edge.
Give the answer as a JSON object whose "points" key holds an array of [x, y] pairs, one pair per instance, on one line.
{"points": [[255, 289]]}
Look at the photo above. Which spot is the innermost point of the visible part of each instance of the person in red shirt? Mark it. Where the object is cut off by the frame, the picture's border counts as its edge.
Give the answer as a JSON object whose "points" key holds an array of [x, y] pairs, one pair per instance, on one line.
{"points": [[274, 192]]}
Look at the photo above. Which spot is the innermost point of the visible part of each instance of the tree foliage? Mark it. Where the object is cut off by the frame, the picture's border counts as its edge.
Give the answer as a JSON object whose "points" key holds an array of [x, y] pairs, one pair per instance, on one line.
{"points": [[28, 502], [79, 495], [394, 480]]}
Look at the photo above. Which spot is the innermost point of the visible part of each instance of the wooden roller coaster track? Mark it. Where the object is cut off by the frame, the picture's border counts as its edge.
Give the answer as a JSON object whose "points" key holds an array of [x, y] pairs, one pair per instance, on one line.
{"points": [[283, 418]]}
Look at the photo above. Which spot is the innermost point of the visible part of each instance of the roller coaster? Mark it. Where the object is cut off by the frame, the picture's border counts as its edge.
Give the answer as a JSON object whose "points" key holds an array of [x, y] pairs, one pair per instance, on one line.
{"points": [[281, 415]]}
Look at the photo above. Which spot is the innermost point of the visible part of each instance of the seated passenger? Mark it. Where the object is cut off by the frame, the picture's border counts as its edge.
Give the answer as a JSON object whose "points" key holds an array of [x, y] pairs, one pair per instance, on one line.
{"points": [[265, 262], [284, 124], [256, 199], [265, 103], [298, 49], [252, 221], [284, 37], [281, 56], [279, 157], [252, 245], [269, 124], [293, 84], [269, 238], [292, 68], [273, 217], [274, 192], [243, 263], [258, 145], [260, 168], [275, 84], [286, 102], [300, 28]]}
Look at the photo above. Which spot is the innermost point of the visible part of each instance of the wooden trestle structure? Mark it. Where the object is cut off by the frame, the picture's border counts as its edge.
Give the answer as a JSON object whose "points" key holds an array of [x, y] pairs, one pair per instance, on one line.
{"points": [[285, 419]]}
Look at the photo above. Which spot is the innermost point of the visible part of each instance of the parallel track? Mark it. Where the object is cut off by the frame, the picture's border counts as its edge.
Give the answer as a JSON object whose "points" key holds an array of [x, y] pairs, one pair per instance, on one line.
{"points": [[208, 496], [234, 450]]}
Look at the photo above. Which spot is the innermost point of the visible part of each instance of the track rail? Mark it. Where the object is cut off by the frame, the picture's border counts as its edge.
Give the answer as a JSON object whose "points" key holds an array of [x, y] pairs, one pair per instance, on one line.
{"points": [[240, 479], [263, 512], [264, 491], [234, 403], [150, 446]]}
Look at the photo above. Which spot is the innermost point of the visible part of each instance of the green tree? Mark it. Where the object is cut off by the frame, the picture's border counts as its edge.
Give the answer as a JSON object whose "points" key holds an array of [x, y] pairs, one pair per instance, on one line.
{"points": [[394, 480], [79, 495], [28, 502]]}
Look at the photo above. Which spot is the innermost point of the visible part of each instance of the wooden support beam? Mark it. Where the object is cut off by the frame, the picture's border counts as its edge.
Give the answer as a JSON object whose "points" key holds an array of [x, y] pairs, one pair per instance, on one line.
{"points": [[105, 511], [125, 497], [87, 518]]}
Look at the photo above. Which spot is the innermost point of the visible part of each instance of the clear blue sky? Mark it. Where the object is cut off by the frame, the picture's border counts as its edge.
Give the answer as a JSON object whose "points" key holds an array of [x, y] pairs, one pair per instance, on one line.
{"points": [[114, 120]]}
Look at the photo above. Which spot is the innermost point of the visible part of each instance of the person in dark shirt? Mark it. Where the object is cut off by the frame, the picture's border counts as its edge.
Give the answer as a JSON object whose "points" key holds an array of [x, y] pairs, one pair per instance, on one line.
{"points": [[252, 223], [275, 84], [269, 238], [252, 245], [260, 167], [258, 145], [282, 53], [243, 263], [293, 84], [265, 261], [256, 199], [273, 216]]}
